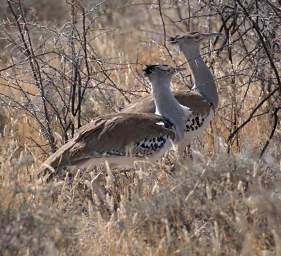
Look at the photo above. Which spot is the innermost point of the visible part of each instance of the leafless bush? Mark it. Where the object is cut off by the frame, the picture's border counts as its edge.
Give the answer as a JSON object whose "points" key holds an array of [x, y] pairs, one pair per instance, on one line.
{"points": [[60, 65]]}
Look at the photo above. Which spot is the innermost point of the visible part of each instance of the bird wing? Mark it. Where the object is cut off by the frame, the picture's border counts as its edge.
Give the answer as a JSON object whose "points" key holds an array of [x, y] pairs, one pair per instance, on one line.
{"points": [[194, 101], [142, 105], [104, 134], [117, 132]]}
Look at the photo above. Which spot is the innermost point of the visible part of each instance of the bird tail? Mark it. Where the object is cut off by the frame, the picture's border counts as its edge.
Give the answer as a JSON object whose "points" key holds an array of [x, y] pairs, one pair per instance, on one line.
{"points": [[55, 162]]}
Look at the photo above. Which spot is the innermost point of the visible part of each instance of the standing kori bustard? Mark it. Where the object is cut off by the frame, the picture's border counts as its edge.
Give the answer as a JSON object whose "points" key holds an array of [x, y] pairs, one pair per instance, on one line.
{"points": [[203, 103], [124, 138]]}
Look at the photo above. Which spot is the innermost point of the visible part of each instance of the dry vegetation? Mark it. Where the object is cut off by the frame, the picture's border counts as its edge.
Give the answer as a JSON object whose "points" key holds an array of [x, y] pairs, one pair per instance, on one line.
{"points": [[71, 61]]}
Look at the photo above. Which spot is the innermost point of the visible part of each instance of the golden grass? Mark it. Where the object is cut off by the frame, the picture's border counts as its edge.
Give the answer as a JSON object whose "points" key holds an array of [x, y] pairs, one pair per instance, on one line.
{"points": [[219, 205]]}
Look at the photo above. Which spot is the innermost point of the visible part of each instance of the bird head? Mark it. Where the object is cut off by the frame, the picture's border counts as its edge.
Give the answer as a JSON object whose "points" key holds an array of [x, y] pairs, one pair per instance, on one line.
{"points": [[157, 72], [192, 39]]}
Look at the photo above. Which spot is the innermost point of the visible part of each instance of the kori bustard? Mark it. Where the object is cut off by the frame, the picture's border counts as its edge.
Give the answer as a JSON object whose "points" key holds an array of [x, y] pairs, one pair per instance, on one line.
{"points": [[166, 104], [123, 138], [202, 103]]}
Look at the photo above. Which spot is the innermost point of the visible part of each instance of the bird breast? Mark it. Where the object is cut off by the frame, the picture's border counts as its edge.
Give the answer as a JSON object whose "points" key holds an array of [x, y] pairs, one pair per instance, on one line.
{"points": [[196, 124]]}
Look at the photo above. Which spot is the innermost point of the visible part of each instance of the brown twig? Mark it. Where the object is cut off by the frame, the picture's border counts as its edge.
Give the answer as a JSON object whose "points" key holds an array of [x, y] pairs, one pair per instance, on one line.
{"points": [[274, 126], [231, 136]]}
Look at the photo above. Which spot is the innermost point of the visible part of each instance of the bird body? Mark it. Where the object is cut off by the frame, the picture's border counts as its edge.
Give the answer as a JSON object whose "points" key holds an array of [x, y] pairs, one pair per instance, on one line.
{"points": [[201, 111], [166, 104], [120, 139], [192, 100], [198, 107]]}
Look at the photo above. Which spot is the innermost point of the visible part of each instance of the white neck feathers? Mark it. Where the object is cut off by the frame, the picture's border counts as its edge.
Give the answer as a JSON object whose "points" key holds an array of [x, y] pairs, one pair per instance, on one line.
{"points": [[202, 76], [167, 105]]}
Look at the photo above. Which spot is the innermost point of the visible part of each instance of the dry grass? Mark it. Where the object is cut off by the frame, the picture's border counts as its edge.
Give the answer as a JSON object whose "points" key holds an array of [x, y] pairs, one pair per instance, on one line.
{"points": [[218, 204]]}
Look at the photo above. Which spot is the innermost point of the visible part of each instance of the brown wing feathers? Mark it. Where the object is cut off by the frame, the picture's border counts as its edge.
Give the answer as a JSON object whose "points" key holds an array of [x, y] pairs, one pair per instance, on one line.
{"points": [[194, 101], [110, 132]]}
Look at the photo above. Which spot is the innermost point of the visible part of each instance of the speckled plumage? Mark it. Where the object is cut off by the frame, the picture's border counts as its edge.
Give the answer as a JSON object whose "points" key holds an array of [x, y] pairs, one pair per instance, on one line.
{"points": [[143, 148], [201, 111], [148, 146], [194, 123], [116, 138]]}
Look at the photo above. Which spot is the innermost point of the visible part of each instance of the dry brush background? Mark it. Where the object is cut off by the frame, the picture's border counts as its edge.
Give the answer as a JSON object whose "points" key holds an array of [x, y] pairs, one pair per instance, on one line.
{"points": [[63, 63]]}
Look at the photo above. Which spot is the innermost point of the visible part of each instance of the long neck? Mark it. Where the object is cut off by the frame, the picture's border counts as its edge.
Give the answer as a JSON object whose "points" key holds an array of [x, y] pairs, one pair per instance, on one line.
{"points": [[202, 76], [167, 105]]}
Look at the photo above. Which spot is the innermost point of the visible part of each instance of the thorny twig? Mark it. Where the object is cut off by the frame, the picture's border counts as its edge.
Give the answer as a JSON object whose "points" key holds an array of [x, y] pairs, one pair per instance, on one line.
{"points": [[28, 49], [165, 44], [258, 106], [275, 123]]}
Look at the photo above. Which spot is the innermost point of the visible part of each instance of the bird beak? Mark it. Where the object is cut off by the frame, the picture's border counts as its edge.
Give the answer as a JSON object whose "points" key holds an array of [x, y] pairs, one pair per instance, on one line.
{"points": [[178, 69], [173, 40], [208, 35]]}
